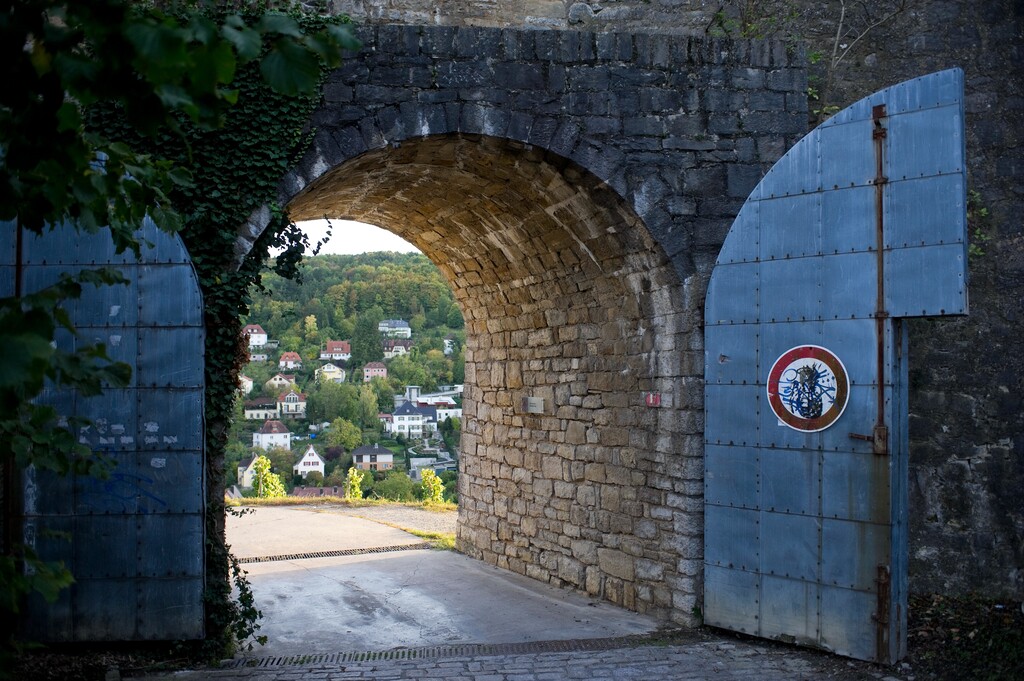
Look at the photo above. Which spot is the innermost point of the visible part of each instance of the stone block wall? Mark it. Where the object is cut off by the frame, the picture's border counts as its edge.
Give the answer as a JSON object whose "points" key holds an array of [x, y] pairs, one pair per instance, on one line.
{"points": [[574, 188], [967, 438]]}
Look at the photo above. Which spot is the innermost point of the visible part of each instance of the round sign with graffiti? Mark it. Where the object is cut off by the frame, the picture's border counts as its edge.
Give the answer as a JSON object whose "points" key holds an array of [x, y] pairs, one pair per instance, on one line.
{"points": [[808, 388]]}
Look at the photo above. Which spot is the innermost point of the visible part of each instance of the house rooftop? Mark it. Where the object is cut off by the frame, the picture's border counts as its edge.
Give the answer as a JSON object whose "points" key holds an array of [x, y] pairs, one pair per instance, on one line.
{"points": [[271, 427]]}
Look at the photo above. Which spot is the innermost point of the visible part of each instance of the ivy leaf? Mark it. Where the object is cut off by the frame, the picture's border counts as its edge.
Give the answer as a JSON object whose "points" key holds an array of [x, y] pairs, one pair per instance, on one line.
{"points": [[247, 42], [344, 36], [280, 24], [290, 69]]}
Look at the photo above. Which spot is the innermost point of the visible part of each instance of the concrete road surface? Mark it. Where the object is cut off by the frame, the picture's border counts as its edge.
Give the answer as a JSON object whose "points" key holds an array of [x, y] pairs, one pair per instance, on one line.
{"points": [[406, 598]]}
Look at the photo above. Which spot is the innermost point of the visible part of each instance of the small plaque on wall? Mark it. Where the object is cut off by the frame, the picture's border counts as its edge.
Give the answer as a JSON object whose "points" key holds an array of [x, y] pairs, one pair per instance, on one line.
{"points": [[532, 405]]}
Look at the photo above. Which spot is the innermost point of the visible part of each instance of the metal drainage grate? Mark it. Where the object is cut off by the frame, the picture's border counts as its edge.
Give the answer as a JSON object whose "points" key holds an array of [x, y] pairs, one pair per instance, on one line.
{"points": [[442, 651], [334, 554]]}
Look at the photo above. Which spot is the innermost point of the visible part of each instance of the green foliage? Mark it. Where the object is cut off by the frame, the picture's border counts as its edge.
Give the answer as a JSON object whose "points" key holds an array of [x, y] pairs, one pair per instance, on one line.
{"points": [[396, 486], [267, 485], [354, 484], [433, 488], [757, 19], [978, 224], [366, 338], [117, 109], [244, 617], [344, 433]]}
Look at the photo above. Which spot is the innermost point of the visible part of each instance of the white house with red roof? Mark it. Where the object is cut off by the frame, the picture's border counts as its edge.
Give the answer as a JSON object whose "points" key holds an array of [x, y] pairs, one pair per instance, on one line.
{"points": [[309, 462], [272, 434], [257, 336], [291, 405], [337, 350], [244, 384], [290, 360], [374, 370]]}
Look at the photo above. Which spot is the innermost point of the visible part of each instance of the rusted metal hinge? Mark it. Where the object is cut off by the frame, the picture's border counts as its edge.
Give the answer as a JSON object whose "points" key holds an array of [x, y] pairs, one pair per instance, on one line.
{"points": [[879, 439]]}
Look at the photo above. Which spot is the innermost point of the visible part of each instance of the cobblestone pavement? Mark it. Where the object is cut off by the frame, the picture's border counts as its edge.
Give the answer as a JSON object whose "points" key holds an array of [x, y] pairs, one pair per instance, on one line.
{"points": [[731, 660]]}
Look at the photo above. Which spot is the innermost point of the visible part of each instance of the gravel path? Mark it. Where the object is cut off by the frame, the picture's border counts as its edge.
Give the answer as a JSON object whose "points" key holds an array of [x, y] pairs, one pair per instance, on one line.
{"points": [[398, 515]]}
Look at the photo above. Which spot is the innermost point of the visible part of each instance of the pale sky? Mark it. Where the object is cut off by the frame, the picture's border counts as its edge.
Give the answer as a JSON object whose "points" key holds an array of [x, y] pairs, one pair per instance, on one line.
{"points": [[349, 238]]}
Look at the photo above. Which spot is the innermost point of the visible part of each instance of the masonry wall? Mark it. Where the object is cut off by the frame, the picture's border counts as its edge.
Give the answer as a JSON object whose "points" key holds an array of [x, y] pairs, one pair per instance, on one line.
{"points": [[574, 189], [967, 378]]}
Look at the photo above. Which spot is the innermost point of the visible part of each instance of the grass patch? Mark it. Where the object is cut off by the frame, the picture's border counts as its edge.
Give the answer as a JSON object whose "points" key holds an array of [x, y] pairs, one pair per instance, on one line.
{"points": [[445, 541]]}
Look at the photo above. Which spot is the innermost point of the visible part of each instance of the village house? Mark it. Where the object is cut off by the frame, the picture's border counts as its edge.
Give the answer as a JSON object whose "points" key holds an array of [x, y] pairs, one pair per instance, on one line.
{"points": [[412, 421], [244, 384], [247, 472], [309, 462], [272, 434], [374, 370], [439, 400], [290, 360], [256, 335], [258, 357], [279, 382], [260, 409], [334, 491], [337, 350], [330, 372], [395, 328], [292, 405], [396, 347], [373, 458]]}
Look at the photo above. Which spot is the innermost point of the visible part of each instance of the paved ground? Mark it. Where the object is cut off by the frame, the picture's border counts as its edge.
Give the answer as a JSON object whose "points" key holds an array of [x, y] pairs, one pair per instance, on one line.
{"points": [[421, 614]]}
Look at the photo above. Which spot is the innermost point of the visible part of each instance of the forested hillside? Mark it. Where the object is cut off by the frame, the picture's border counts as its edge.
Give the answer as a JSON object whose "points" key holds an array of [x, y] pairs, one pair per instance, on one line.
{"points": [[343, 298], [337, 289]]}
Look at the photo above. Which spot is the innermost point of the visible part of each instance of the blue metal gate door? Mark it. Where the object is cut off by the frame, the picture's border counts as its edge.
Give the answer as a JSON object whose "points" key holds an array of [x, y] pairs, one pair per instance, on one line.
{"points": [[134, 541], [860, 225]]}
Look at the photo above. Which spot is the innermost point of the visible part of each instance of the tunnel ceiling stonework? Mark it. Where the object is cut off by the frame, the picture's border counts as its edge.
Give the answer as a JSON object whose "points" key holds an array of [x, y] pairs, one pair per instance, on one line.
{"points": [[573, 189]]}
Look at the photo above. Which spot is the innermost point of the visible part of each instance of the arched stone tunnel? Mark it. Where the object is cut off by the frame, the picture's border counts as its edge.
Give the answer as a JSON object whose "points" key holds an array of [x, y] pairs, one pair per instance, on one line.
{"points": [[569, 302], [574, 189]]}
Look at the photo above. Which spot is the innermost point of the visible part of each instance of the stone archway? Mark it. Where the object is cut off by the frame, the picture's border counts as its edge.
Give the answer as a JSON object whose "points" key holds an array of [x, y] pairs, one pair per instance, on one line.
{"points": [[570, 302], [575, 189]]}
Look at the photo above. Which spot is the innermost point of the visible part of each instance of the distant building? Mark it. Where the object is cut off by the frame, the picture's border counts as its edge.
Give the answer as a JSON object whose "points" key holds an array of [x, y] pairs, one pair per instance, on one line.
{"points": [[330, 372], [439, 400], [337, 350], [256, 335], [309, 462], [395, 328], [244, 384], [318, 492], [396, 347], [247, 472], [272, 434], [373, 458], [374, 370], [292, 405], [258, 357], [290, 360], [261, 409], [279, 382], [413, 421], [449, 346]]}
